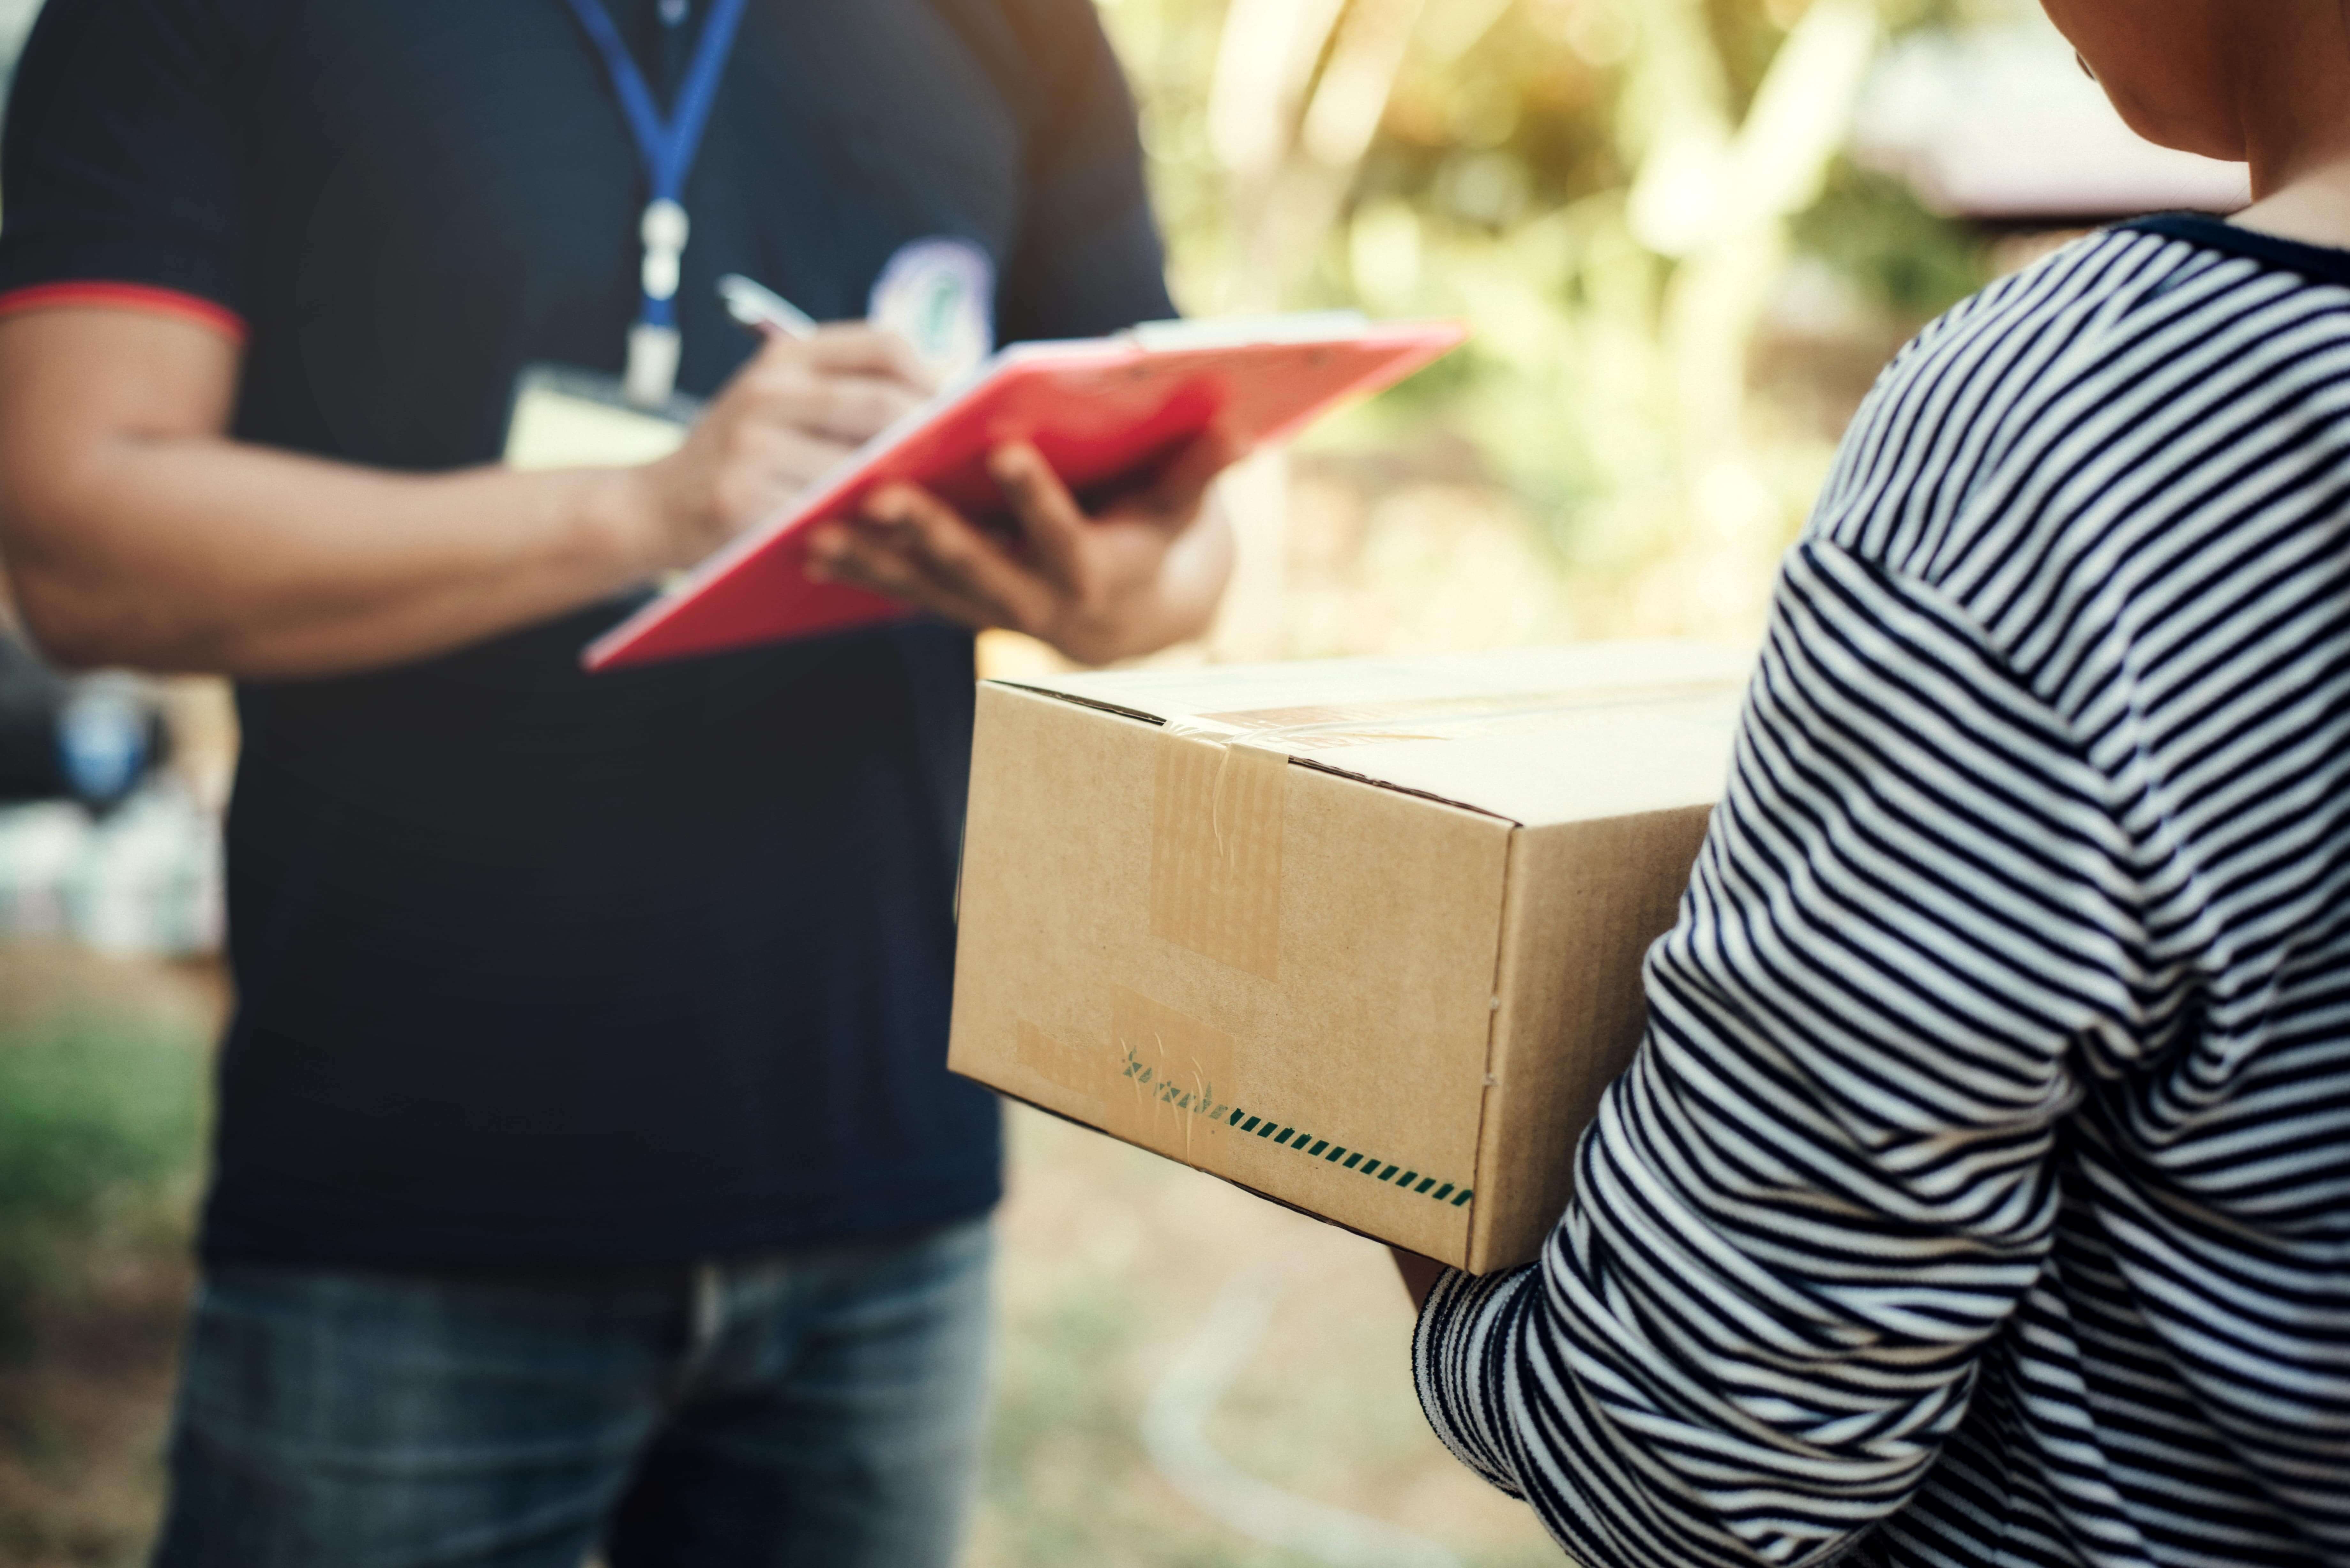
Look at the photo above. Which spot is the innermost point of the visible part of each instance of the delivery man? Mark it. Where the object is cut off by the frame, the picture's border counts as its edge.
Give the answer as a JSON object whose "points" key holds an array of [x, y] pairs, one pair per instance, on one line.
{"points": [[588, 1173]]}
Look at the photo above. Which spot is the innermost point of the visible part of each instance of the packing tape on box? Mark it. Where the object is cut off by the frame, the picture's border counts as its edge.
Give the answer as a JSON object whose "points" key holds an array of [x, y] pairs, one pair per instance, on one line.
{"points": [[1165, 1076], [1215, 851], [1063, 1067], [1178, 1069]]}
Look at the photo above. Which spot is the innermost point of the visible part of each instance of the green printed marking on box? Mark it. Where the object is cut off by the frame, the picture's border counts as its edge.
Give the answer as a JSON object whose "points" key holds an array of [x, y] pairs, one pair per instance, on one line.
{"points": [[1306, 1144]]}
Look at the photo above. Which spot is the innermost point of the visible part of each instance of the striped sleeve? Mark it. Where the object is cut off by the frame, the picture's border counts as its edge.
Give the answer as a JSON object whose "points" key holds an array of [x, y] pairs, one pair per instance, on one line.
{"points": [[1826, 1179]]}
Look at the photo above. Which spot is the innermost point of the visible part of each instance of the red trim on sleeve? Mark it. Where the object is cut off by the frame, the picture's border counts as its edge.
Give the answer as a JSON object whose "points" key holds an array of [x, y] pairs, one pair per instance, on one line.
{"points": [[126, 296]]}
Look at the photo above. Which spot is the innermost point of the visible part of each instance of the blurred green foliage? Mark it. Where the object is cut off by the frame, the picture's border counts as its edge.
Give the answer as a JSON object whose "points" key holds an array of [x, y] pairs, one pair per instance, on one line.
{"points": [[1873, 232], [101, 1129], [1504, 112], [1112, 1258], [1618, 196]]}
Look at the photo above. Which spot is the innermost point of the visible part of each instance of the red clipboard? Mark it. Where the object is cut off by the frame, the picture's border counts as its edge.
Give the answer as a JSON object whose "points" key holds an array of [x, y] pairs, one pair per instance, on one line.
{"points": [[1100, 410]]}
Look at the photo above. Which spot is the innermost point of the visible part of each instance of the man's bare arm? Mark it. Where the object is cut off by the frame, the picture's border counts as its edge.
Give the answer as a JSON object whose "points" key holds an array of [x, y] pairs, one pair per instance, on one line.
{"points": [[135, 532]]}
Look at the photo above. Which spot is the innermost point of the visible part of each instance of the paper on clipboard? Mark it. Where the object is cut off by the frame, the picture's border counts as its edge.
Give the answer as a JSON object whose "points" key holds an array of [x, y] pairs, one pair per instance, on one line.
{"points": [[1102, 411]]}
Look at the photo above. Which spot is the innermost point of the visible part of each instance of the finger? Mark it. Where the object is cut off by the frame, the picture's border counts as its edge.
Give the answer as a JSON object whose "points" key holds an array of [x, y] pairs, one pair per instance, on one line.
{"points": [[848, 408], [762, 467], [826, 546], [1050, 519], [963, 559], [866, 563], [1421, 1274], [958, 557], [855, 348], [969, 604], [757, 447], [1177, 492], [881, 565]]}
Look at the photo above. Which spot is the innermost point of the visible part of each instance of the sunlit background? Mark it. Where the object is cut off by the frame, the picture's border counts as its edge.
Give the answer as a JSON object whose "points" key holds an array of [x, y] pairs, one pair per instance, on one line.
{"points": [[1688, 234]]}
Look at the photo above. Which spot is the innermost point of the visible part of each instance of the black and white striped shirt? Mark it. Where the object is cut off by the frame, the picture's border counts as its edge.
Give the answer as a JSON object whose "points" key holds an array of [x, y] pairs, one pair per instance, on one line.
{"points": [[1982, 1191]]}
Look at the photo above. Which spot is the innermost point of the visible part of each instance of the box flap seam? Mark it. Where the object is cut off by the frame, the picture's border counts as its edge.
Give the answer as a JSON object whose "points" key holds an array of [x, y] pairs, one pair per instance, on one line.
{"points": [[1256, 743], [1493, 1086]]}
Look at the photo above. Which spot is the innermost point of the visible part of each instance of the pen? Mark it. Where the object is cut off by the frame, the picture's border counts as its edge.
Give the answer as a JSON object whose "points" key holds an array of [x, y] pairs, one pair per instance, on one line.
{"points": [[755, 306]]}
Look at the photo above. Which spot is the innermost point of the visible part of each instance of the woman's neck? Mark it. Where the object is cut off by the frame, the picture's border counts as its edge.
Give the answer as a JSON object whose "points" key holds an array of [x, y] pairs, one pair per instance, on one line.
{"points": [[2297, 121], [2314, 210]]}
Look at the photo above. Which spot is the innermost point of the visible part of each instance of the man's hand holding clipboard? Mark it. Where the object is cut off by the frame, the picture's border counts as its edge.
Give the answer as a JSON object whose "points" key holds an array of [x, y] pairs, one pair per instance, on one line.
{"points": [[1145, 572], [967, 506], [1142, 571]]}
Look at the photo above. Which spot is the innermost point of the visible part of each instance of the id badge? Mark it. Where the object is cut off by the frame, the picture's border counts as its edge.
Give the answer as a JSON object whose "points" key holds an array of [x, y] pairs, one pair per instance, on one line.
{"points": [[939, 295], [567, 418]]}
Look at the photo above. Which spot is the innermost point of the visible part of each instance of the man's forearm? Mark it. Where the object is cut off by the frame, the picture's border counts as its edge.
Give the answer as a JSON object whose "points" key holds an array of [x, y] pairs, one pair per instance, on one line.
{"points": [[136, 533], [204, 553]]}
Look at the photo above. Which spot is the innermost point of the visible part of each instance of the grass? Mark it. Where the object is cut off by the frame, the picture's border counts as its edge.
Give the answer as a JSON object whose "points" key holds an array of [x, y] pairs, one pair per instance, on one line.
{"points": [[100, 1136], [1112, 1258], [102, 1071], [99, 1131]]}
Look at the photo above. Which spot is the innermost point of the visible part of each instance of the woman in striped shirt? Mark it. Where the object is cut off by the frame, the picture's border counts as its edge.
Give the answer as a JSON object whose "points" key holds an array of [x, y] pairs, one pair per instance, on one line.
{"points": [[1982, 1191]]}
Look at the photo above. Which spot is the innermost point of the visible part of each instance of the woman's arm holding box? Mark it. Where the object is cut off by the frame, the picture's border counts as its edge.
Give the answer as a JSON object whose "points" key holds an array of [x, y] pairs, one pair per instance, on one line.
{"points": [[1825, 1182]]}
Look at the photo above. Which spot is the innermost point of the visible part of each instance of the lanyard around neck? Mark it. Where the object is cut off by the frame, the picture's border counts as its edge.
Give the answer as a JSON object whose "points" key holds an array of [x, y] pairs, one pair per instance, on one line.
{"points": [[666, 145]]}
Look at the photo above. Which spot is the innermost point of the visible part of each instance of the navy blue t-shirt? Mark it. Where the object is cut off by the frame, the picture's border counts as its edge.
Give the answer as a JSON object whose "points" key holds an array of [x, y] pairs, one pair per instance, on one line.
{"points": [[535, 967]]}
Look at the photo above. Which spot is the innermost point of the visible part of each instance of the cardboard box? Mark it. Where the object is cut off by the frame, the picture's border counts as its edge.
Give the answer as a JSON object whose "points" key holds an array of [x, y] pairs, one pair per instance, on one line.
{"points": [[1362, 935]]}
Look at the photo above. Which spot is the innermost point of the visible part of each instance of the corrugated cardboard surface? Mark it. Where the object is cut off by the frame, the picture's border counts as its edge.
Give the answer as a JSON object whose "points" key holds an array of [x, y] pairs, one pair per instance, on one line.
{"points": [[1586, 900], [1361, 936]]}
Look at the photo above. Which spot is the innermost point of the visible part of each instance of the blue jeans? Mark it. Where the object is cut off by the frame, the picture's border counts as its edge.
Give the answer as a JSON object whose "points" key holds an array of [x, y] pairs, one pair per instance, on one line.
{"points": [[819, 1409]]}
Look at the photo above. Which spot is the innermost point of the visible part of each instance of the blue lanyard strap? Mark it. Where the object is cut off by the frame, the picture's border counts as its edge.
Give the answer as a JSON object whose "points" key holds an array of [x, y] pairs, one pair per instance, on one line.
{"points": [[667, 145]]}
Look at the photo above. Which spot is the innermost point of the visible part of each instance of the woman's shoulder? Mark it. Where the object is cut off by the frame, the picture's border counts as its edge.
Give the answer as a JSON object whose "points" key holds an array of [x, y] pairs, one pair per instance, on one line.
{"points": [[2133, 353]]}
